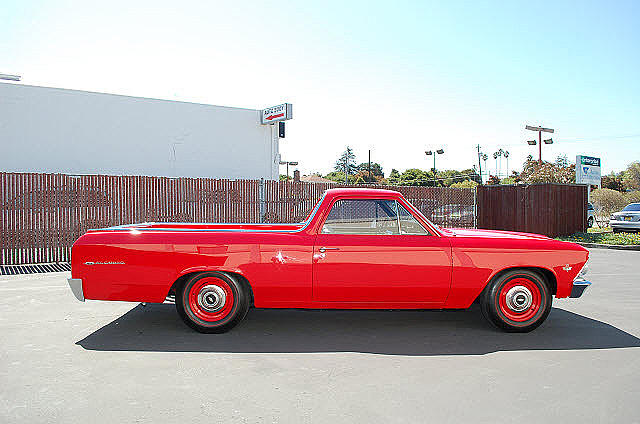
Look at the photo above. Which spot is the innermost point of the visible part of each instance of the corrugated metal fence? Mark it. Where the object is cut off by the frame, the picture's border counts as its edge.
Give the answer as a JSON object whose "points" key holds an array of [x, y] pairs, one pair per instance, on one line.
{"points": [[43, 214], [549, 209]]}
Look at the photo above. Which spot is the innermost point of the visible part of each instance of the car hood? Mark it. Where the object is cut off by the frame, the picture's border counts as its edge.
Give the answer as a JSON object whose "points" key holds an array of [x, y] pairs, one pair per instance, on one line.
{"points": [[493, 234]]}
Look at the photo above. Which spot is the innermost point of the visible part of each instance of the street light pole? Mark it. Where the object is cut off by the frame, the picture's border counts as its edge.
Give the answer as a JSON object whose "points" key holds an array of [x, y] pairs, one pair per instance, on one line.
{"points": [[287, 162], [429, 153], [540, 130]]}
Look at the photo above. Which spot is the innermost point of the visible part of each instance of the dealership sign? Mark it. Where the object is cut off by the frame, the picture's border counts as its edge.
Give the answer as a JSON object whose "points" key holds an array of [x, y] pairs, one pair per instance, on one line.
{"points": [[276, 113], [588, 170]]}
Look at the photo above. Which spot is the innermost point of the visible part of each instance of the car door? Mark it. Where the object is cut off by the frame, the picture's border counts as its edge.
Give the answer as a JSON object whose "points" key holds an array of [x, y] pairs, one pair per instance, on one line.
{"points": [[375, 251]]}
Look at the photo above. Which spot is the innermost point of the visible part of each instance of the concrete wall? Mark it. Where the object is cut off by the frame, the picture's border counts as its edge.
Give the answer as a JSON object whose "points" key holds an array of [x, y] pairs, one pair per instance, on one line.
{"points": [[68, 131]]}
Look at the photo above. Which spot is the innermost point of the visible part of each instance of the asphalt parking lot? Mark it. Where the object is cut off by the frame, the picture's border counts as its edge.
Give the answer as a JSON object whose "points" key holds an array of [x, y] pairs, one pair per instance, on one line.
{"points": [[105, 362]]}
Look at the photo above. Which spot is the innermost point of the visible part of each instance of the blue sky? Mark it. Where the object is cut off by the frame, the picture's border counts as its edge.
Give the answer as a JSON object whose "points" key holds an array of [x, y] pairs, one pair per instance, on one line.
{"points": [[393, 77]]}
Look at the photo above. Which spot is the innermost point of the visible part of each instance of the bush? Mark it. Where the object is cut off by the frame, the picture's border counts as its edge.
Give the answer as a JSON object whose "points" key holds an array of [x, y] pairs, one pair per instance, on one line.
{"points": [[632, 197], [606, 201], [464, 184]]}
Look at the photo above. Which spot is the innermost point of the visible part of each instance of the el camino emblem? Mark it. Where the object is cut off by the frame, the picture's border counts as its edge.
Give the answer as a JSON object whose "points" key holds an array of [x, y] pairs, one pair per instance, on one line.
{"points": [[567, 267], [105, 263]]}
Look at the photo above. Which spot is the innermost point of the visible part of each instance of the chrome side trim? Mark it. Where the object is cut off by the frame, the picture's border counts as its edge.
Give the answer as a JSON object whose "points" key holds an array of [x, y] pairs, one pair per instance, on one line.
{"points": [[76, 288]]}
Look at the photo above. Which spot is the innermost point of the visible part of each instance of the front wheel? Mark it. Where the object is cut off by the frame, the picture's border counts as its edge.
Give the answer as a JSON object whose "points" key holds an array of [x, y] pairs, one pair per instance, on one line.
{"points": [[212, 302], [590, 222], [517, 301]]}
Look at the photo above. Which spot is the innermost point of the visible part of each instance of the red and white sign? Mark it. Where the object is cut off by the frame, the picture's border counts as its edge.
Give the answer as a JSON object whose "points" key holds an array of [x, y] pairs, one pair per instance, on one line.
{"points": [[276, 113]]}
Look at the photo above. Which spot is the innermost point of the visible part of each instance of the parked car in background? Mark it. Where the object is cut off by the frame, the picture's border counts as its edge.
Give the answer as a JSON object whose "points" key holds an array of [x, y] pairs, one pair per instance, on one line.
{"points": [[628, 219], [590, 215]]}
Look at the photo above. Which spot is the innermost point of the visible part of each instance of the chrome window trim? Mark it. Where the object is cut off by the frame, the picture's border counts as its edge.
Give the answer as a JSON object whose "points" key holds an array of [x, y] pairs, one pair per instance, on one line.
{"points": [[136, 227]]}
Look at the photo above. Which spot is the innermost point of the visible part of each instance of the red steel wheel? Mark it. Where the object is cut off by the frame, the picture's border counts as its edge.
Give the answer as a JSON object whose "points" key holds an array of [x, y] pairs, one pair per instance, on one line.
{"points": [[212, 302], [517, 301]]}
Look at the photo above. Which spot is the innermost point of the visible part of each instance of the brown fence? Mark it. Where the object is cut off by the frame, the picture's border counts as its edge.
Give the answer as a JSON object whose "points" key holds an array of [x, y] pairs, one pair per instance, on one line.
{"points": [[43, 214], [549, 209]]}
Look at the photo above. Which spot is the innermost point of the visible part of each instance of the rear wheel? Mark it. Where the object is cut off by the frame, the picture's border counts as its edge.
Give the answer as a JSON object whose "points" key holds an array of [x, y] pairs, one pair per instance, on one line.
{"points": [[517, 301], [212, 302]]}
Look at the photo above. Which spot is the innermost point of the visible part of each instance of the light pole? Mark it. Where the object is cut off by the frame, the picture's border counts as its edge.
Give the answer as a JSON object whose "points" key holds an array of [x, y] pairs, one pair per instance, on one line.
{"points": [[286, 162], [429, 153], [484, 158], [540, 130]]}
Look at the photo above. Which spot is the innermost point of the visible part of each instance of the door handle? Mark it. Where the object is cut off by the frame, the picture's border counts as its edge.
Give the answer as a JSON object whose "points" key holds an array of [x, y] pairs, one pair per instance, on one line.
{"points": [[324, 249]]}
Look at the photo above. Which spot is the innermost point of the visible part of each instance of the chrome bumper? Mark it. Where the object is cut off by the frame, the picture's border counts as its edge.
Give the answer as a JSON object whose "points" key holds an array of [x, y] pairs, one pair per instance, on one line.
{"points": [[579, 286], [625, 225], [76, 287]]}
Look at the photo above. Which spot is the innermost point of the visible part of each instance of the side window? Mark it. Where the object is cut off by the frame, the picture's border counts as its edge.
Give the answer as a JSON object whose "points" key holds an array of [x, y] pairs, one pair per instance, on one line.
{"points": [[362, 217], [408, 223]]}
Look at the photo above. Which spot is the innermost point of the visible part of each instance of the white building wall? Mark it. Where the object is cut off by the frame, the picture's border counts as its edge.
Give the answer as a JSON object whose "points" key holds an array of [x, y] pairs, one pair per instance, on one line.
{"points": [[69, 131]]}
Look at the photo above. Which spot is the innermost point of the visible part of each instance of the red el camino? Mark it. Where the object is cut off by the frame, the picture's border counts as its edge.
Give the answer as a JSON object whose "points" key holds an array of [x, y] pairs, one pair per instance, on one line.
{"points": [[358, 249]]}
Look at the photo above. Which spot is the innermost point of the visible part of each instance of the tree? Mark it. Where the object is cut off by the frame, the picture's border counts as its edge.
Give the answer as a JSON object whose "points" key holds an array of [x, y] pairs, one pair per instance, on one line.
{"points": [[394, 177], [562, 161], [508, 181], [339, 177], [416, 177], [631, 176], [632, 197], [493, 180], [376, 169], [606, 201], [613, 181], [347, 160], [535, 173]]}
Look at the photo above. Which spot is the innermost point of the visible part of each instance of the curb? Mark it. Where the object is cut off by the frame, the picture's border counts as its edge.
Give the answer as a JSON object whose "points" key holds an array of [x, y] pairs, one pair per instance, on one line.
{"points": [[611, 246]]}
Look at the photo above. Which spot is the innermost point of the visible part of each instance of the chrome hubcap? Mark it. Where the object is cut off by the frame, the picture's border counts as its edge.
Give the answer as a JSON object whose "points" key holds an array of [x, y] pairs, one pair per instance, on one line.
{"points": [[519, 298], [212, 298]]}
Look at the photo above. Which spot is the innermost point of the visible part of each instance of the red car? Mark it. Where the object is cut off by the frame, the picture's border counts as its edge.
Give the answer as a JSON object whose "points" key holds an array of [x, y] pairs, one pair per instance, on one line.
{"points": [[358, 249]]}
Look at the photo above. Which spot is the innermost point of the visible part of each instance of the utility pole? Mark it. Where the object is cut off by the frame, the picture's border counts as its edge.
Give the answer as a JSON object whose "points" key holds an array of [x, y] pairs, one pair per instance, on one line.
{"points": [[479, 163], [540, 130], [370, 180]]}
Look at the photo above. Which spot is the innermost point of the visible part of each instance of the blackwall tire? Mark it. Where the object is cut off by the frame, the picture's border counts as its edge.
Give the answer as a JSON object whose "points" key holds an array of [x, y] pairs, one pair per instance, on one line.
{"points": [[590, 222], [212, 302], [517, 301]]}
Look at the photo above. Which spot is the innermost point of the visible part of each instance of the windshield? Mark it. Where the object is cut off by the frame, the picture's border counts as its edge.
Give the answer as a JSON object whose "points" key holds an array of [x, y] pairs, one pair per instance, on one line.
{"points": [[634, 207]]}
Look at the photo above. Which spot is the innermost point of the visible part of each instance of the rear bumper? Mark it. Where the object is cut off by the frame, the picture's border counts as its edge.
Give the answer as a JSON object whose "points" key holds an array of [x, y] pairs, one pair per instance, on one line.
{"points": [[76, 288], [579, 286]]}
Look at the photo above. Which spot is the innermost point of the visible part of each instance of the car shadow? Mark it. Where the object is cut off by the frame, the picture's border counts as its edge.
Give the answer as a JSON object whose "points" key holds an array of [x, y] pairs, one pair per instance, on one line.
{"points": [[158, 328]]}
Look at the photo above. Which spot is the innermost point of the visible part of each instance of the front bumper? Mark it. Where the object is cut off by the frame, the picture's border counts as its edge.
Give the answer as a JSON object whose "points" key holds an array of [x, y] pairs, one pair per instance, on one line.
{"points": [[579, 286], [624, 225], [76, 288]]}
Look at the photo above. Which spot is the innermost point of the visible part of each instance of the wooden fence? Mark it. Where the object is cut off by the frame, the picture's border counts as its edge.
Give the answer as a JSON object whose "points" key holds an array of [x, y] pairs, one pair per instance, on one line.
{"points": [[43, 214], [549, 209]]}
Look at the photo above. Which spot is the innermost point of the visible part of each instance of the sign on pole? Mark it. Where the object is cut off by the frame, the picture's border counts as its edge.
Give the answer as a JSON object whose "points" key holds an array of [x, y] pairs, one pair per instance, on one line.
{"points": [[276, 113], [588, 170]]}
